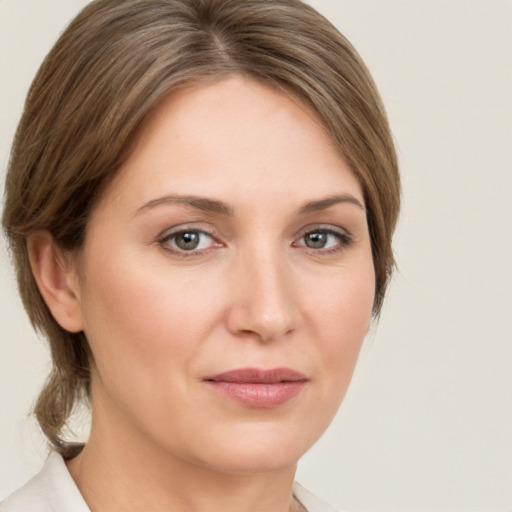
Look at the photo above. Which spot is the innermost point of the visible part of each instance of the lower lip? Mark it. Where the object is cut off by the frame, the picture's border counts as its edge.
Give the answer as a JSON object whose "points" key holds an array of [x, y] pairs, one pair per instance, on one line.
{"points": [[259, 395]]}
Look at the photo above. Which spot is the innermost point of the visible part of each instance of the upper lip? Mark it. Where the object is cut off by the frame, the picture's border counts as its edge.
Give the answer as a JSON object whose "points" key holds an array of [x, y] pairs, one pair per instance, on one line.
{"points": [[258, 376]]}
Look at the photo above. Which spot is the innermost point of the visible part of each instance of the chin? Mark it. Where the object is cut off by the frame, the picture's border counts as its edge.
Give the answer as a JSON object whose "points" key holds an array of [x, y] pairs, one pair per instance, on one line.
{"points": [[251, 461], [261, 448]]}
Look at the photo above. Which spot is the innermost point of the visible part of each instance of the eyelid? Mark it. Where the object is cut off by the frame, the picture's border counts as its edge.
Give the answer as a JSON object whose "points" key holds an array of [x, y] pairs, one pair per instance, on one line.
{"points": [[327, 228], [166, 233]]}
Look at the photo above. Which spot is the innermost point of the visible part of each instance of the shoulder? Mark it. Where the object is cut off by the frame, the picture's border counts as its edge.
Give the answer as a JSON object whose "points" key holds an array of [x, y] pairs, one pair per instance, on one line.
{"points": [[311, 502], [51, 490]]}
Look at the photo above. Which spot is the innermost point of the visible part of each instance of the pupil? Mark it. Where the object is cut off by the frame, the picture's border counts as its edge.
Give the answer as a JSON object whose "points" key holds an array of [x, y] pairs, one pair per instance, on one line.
{"points": [[187, 241], [316, 240]]}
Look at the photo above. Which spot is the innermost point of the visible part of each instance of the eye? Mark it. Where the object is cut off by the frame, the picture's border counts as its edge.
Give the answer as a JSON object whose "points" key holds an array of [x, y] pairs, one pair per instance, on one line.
{"points": [[324, 240], [319, 240], [187, 240]]}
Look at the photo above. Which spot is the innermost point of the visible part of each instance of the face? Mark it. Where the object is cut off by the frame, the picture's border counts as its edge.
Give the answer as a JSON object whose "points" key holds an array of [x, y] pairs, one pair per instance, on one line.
{"points": [[227, 282]]}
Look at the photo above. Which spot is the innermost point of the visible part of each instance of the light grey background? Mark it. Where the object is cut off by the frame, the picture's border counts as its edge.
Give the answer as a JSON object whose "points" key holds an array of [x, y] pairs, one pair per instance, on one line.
{"points": [[427, 423]]}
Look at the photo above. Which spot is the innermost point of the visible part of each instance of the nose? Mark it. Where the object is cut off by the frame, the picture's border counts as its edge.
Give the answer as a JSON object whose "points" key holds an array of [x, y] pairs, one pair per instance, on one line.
{"points": [[264, 300]]}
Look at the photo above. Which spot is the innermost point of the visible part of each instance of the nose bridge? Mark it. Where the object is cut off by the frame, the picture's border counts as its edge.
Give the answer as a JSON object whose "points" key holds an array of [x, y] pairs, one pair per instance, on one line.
{"points": [[265, 303]]}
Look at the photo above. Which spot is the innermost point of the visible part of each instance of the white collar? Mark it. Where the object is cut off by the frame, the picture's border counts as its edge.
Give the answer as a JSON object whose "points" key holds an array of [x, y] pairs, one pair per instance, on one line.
{"points": [[51, 490]]}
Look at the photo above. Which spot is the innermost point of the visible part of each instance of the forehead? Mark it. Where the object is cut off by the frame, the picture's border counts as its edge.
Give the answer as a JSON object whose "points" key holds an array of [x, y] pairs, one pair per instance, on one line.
{"points": [[230, 138]]}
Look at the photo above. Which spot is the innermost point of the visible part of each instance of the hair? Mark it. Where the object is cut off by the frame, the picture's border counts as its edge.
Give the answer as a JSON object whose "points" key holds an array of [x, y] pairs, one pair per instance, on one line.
{"points": [[110, 69]]}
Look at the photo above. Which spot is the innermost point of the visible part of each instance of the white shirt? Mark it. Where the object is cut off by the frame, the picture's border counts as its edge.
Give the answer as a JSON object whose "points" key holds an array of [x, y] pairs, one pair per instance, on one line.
{"points": [[54, 490]]}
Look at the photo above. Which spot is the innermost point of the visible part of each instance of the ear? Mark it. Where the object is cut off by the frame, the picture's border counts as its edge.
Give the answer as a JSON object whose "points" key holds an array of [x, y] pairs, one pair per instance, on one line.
{"points": [[57, 281]]}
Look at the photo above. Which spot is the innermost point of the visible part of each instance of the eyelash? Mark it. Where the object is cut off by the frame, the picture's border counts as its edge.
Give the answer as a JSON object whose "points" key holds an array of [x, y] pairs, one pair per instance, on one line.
{"points": [[344, 241]]}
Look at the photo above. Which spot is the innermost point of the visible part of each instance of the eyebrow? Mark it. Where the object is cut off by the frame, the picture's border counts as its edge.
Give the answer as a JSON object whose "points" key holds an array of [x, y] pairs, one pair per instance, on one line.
{"points": [[215, 206], [200, 203], [324, 204]]}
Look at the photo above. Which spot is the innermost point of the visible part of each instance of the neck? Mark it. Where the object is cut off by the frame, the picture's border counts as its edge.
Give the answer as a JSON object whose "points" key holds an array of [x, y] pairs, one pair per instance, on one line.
{"points": [[120, 469]]}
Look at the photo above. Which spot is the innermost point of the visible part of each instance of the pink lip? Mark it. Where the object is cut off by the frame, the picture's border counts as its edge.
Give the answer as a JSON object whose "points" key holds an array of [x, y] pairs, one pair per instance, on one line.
{"points": [[256, 388]]}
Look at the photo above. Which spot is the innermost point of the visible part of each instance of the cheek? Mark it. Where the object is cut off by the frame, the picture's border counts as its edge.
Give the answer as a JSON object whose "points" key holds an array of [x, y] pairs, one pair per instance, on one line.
{"points": [[141, 319], [340, 315]]}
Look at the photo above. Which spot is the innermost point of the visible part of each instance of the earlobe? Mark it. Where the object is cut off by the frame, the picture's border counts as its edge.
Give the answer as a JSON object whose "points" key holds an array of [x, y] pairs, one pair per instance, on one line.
{"points": [[56, 280]]}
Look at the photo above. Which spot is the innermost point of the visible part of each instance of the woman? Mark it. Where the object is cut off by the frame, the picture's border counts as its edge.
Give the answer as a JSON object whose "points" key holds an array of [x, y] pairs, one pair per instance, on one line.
{"points": [[200, 204]]}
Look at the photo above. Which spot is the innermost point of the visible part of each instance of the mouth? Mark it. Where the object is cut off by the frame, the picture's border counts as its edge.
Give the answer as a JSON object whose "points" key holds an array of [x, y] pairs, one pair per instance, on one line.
{"points": [[255, 388]]}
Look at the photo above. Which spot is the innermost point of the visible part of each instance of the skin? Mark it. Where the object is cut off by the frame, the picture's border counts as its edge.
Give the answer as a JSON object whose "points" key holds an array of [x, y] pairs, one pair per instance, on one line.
{"points": [[254, 293]]}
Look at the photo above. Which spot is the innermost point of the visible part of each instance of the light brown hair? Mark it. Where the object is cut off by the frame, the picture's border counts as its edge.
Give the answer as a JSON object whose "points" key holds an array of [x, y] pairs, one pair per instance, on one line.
{"points": [[113, 65]]}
